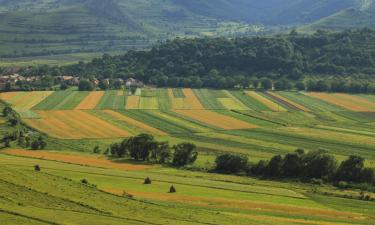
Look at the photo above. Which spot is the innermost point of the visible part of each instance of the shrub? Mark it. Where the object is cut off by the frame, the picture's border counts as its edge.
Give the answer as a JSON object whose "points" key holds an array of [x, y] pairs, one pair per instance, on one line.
{"points": [[147, 181], [84, 181], [37, 168], [172, 189], [342, 184], [316, 181]]}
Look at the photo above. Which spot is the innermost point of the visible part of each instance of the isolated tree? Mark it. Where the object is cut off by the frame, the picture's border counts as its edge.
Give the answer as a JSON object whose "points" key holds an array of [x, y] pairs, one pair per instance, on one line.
{"points": [[184, 154]]}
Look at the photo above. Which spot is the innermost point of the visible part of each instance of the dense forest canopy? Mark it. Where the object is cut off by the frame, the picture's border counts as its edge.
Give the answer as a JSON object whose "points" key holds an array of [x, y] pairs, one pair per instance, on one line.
{"points": [[225, 62], [292, 55]]}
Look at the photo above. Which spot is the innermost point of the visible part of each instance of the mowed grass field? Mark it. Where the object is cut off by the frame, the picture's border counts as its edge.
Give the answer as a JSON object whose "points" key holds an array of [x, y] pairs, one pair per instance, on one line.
{"points": [[258, 124], [201, 198]]}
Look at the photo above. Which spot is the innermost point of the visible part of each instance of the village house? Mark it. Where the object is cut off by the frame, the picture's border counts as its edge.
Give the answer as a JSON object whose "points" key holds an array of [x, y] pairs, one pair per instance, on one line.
{"points": [[131, 82], [70, 80]]}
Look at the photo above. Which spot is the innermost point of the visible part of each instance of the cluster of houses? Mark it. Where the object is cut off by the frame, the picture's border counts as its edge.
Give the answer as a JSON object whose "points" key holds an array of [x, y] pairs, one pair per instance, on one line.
{"points": [[15, 78], [69, 80], [74, 81]]}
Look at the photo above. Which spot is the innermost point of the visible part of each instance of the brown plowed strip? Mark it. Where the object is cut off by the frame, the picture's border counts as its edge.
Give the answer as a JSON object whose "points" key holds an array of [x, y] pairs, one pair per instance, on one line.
{"points": [[86, 160], [287, 102], [91, 100]]}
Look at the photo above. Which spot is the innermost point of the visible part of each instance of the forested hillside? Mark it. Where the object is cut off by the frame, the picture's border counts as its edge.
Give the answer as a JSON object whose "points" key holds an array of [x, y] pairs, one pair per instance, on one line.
{"points": [[217, 61], [53, 27]]}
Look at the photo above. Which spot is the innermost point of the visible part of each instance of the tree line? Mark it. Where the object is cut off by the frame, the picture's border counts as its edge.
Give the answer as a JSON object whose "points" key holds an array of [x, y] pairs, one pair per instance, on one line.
{"points": [[317, 166], [144, 147]]}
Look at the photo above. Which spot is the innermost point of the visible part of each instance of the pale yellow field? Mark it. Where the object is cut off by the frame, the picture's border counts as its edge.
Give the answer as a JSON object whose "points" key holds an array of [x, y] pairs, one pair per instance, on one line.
{"points": [[74, 124], [177, 103], [270, 104], [216, 119], [132, 102], [135, 123], [91, 100], [149, 103], [192, 100], [24, 100], [31, 99], [189, 102]]}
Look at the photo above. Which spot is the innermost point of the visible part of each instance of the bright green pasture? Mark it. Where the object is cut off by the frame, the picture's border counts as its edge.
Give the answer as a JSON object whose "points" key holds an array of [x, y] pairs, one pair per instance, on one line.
{"points": [[201, 197], [112, 100]]}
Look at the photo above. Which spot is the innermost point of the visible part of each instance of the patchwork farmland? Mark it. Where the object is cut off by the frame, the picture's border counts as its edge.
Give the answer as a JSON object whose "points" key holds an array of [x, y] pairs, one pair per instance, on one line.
{"points": [[204, 117], [256, 124]]}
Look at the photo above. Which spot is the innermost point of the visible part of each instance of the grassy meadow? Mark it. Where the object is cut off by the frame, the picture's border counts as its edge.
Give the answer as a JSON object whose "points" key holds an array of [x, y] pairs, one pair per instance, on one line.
{"points": [[255, 124]]}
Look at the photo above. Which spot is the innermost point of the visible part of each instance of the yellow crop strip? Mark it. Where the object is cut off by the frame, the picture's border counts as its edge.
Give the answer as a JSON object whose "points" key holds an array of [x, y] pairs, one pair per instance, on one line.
{"points": [[91, 100], [74, 124], [32, 99], [345, 101], [268, 103], [192, 99], [132, 102]]}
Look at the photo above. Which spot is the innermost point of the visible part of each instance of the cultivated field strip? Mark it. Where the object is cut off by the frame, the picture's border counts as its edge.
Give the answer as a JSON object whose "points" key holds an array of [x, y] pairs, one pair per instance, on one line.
{"points": [[309, 102], [215, 119], [287, 102], [112, 99], [74, 124], [132, 102], [348, 102], [166, 121], [265, 101], [188, 101], [56, 100], [91, 100], [146, 128], [31, 99]]}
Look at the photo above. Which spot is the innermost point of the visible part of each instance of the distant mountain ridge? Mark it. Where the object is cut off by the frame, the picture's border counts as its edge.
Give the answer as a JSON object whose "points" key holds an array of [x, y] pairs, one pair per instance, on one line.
{"points": [[47, 27]]}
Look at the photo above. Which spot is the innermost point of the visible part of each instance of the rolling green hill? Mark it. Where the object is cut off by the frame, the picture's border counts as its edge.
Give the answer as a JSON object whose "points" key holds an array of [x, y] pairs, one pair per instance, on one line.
{"points": [[56, 27], [361, 16]]}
